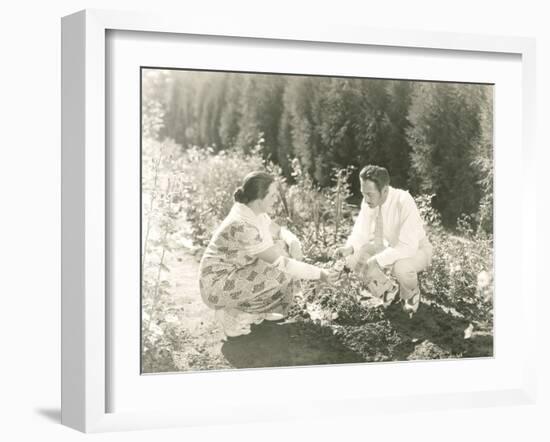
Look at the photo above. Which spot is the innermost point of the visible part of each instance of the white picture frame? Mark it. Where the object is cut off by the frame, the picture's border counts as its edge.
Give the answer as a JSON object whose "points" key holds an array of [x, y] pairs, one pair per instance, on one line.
{"points": [[85, 211]]}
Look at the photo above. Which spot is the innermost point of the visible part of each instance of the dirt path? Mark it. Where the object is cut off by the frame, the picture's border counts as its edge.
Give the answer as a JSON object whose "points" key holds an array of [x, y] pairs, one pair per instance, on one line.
{"points": [[204, 337]]}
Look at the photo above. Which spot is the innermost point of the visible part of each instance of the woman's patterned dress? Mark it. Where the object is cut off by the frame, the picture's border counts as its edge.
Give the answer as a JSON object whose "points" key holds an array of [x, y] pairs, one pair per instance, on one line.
{"points": [[231, 277]]}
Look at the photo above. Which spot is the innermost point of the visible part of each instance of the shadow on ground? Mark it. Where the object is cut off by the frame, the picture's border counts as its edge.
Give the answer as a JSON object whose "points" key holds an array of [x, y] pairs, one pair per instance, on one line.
{"points": [[433, 324], [51, 414], [431, 333], [287, 344]]}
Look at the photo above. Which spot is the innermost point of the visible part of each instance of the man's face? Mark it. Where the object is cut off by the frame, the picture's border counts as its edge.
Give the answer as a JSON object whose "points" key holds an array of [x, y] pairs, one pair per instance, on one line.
{"points": [[371, 195]]}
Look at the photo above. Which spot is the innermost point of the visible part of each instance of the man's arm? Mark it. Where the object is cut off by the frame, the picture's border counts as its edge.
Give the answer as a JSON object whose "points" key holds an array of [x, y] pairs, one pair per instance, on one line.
{"points": [[410, 230], [360, 232]]}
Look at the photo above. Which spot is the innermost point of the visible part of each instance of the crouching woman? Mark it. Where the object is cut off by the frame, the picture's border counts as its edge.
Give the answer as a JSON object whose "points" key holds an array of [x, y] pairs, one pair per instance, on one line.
{"points": [[251, 269]]}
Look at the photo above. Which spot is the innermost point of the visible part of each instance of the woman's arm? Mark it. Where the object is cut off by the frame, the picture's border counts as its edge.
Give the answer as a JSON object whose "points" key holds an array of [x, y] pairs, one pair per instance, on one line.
{"points": [[273, 253], [298, 269], [293, 244], [278, 256], [275, 230]]}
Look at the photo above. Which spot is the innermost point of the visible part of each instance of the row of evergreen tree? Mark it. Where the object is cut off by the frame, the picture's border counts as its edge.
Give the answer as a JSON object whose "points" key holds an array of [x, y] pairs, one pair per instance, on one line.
{"points": [[433, 137]]}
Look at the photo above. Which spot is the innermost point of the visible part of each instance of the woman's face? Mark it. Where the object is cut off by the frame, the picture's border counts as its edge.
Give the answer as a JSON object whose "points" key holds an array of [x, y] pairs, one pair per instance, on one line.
{"points": [[268, 203]]}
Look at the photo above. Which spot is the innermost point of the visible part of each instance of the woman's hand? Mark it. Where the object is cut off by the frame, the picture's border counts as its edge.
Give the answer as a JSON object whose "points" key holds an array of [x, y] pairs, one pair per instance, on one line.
{"points": [[275, 230], [295, 250], [281, 247], [329, 276]]}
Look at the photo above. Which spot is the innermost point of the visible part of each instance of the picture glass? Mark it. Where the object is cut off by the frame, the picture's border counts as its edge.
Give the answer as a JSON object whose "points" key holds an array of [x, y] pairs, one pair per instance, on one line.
{"points": [[295, 220]]}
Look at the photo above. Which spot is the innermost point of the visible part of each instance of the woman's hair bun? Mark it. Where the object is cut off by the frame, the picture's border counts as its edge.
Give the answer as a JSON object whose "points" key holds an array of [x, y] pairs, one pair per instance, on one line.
{"points": [[255, 186], [239, 195]]}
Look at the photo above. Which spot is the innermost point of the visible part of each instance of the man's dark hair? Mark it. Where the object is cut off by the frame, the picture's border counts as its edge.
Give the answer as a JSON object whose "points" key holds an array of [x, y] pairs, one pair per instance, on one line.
{"points": [[378, 175]]}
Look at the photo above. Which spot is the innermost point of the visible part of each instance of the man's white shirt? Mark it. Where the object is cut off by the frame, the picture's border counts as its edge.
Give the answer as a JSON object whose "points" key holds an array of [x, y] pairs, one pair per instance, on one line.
{"points": [[402, 225]]}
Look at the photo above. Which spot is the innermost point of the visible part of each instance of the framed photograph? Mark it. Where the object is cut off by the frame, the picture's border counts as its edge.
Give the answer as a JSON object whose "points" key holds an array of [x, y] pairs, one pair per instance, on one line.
{"points": [[320, 211]]}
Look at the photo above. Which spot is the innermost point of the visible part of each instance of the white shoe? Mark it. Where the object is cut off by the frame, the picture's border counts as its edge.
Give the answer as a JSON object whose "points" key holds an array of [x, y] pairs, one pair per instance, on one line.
{"points": [[411, 304], [258, 319], [273, 316], [389, 296]]}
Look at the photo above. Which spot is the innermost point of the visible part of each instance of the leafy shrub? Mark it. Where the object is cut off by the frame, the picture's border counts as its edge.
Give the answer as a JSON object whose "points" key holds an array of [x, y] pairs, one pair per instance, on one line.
{"points": [[161, 316], [453, 278], [460, 276], [162, 336], [431, 217], [322, 217]]}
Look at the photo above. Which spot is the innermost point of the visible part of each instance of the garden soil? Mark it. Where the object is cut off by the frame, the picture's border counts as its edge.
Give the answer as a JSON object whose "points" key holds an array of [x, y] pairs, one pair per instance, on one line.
{"points": [[311, 337]]}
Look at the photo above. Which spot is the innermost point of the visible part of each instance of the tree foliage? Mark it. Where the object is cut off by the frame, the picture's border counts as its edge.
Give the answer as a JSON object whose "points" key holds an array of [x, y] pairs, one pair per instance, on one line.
{"points": [[434, 138], [446, 138]]}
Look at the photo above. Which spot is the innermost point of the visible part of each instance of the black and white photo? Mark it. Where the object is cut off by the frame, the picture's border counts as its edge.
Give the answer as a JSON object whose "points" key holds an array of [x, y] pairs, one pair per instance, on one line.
{"points": [[296, 220]]}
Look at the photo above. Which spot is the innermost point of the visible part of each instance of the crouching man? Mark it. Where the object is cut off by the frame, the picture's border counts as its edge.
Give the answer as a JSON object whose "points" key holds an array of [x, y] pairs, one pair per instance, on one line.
{"points": [[388, 232]]}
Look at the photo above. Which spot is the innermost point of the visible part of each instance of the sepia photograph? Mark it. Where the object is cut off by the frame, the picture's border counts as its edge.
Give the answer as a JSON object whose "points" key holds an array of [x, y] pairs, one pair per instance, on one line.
{"points": [[295, 220]]}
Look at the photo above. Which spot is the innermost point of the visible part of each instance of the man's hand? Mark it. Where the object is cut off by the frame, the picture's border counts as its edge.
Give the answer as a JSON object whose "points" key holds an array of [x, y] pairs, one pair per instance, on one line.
{"points": [[367, 266], [372, 267], [372, 264], [343, 251]]}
